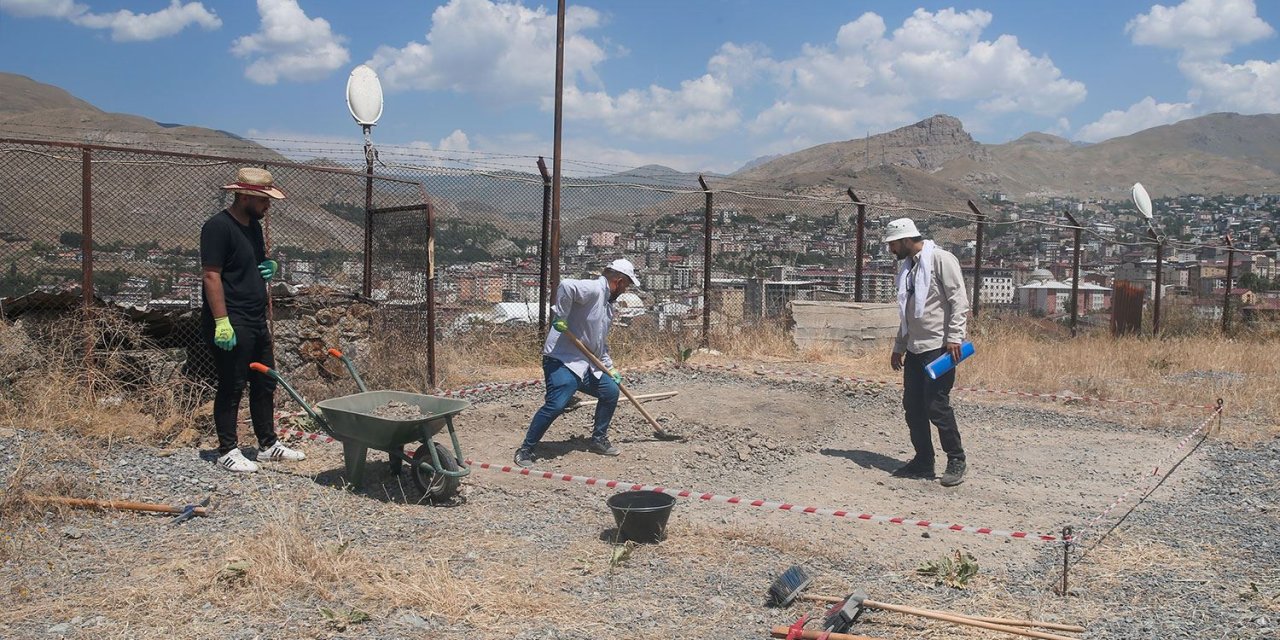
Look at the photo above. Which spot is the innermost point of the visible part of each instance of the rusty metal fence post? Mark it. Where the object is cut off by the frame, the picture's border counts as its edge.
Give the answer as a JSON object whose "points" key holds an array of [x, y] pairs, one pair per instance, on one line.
{"points": [[977, 259], [707, 264], [1226, 296], [1075, 272], [86, 225], [543, 275], [862, 245]]}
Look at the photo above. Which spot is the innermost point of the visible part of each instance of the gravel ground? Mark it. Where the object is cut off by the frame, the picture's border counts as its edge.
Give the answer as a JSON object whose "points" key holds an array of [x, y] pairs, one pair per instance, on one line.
{"points": [[289, 554]]}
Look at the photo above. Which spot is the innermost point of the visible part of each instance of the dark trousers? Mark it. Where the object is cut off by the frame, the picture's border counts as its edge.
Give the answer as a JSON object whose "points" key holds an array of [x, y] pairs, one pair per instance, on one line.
{"points": [[561, 384], [927, 400], [253, 344]]}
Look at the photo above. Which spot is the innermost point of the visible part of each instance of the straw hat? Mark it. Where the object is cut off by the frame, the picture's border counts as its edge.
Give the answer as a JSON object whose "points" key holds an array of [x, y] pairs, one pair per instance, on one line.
{"points": [[253, 181]]}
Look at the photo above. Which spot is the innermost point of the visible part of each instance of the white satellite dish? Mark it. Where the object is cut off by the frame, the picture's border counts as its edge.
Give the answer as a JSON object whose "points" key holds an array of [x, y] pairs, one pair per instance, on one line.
{"points": [[1142, 200], [364, 96]]}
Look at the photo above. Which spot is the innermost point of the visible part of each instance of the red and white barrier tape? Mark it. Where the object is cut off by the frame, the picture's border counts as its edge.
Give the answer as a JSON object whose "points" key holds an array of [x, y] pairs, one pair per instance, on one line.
{"points": [[711, 497], [1149, 479], [856, 380], [763, 504]]}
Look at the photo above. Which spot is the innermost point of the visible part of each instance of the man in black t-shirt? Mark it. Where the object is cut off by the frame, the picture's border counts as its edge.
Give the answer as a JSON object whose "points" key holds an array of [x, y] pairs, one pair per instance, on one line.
{"points": [[236, 269]]}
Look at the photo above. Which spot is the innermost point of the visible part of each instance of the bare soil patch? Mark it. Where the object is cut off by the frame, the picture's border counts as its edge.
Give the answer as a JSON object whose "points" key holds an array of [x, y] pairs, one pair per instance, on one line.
{"points": [[291, 554]]}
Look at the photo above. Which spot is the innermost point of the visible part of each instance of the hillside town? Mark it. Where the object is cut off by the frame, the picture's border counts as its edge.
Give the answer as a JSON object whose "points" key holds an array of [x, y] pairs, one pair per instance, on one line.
{"points": [[762, 264], [759, 265]]}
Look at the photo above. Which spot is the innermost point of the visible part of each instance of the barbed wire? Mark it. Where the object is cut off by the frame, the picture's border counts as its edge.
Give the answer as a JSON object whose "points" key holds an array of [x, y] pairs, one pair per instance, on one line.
{"points": [[512, 172]]}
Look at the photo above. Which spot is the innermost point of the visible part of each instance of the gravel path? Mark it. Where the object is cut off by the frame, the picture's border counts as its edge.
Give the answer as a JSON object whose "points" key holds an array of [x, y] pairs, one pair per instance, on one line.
{"points": [[289, 554]]}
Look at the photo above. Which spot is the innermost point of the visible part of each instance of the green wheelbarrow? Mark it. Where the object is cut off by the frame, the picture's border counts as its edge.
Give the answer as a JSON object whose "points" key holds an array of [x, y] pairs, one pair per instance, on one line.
{"points": [[352, 420]]}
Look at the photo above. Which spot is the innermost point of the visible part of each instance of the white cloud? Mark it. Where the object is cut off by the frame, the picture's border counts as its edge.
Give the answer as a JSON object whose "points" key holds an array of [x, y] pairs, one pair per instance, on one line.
{"points": [[1204, 32], [865, 79], [1145, 114], [1200, 28], [43, 8], [1251, 87], [501, 51], [125, 26], [700, 109], [290, 46], [456, 141]]}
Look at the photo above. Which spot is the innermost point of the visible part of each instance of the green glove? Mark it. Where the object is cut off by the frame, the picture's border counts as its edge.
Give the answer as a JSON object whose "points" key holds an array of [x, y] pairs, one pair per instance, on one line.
{"points": [[223, 335], [616, 375], [268, 269], [560, 325]]}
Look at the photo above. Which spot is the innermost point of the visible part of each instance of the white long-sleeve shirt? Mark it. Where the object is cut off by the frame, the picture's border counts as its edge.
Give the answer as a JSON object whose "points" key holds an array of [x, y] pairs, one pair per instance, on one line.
{"points": [[946, 309], [585, 305]]}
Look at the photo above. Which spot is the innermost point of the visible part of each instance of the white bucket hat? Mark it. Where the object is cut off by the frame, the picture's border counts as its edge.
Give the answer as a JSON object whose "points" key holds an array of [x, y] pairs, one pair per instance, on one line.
{"points": [[899, 229], [253, 181], [624, 266]]}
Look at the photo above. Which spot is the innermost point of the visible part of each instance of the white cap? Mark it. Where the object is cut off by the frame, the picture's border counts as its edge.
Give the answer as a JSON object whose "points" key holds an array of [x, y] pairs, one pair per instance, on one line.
{"points": [[624, 266], [899, 229]]}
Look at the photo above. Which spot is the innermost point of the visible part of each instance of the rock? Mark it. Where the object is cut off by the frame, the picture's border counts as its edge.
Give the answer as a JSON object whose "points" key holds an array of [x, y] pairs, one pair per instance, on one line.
{"points": [[329, 316], [744, 452], [412, 619], [60, 629]]}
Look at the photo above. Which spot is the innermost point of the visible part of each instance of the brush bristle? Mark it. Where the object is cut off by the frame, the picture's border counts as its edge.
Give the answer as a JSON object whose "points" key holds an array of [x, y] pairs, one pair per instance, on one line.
{"points": [[788, 586]]}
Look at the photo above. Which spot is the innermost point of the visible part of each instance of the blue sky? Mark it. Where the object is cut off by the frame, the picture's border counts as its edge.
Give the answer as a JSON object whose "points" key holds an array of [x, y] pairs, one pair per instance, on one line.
{"points": [[691, 84]]}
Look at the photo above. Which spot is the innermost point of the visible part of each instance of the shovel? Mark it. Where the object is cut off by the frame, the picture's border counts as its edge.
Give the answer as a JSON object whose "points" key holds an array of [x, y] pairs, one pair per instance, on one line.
{"points": [[658, 431], [184, 512]]}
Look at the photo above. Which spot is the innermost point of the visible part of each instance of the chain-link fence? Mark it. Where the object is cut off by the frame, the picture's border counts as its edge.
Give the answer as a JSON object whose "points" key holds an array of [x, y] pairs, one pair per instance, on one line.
{"points": [[386, 265], [118, 229]]}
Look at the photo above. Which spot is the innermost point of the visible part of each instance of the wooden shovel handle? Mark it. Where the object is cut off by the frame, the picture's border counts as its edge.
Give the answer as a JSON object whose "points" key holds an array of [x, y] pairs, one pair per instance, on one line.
{"points": [[122, 505], [657, 428], [1005, 621], [970, 622], [814, 634]]}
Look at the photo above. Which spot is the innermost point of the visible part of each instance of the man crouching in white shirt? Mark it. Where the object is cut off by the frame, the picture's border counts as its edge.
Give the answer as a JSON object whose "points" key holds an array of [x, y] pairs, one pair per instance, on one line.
{"points": [[584, 308]]}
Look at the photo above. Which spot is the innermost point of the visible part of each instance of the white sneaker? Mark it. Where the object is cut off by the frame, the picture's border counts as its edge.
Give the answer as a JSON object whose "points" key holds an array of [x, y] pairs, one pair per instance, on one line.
{"points": [[279, 452], [235, 461]]}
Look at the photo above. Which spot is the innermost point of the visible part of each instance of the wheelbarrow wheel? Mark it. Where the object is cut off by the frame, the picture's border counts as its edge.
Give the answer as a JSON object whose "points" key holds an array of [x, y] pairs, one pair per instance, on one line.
{"points": [[436, 486]]}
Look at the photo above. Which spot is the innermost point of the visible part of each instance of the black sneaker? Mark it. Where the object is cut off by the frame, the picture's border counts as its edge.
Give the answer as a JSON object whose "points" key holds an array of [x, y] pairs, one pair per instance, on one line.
{"points": [[954, 474], [915, 468], [603, 447], [524, 458]]}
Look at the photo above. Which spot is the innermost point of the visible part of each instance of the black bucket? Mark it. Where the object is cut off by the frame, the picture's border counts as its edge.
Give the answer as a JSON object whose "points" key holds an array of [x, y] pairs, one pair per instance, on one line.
{"points": [[641, 515]]}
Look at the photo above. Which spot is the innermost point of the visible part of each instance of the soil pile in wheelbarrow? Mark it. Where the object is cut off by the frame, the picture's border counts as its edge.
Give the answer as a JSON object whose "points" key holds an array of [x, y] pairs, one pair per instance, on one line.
{"points": [[396, 410]]}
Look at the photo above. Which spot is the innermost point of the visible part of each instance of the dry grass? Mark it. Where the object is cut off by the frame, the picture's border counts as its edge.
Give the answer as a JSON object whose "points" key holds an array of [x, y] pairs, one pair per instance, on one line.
{"points": [[1024, 355], [83, 378]]}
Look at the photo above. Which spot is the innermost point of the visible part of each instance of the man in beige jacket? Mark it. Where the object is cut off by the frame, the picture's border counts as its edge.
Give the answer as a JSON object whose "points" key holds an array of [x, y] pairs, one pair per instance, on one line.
{"points": [[933, 309]]}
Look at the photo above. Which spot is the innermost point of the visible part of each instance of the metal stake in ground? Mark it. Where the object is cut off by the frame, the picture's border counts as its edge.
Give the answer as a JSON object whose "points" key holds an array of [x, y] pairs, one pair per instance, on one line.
{"points": [[657, 428]]}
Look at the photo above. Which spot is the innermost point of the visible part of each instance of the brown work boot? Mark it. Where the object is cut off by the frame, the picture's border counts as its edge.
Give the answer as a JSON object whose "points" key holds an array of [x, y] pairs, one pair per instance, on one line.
{"points": [[955, 473]]}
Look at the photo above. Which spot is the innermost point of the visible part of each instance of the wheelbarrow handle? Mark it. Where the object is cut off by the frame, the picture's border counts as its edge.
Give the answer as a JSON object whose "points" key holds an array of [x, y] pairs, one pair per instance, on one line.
{"points": [[351, 367], [275, 375]]}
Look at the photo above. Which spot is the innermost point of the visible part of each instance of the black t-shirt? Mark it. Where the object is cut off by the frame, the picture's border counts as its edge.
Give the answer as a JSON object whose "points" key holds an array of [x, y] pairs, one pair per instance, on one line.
{"points": [[237, 249]]}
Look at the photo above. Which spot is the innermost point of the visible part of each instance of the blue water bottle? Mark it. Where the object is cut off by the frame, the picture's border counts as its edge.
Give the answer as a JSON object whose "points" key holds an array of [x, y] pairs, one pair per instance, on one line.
{"points": [[942, 364]]}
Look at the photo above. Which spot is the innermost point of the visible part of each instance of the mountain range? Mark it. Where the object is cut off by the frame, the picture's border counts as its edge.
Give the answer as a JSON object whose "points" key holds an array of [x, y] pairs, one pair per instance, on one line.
{"points": [[933, 163], [936, 159]]}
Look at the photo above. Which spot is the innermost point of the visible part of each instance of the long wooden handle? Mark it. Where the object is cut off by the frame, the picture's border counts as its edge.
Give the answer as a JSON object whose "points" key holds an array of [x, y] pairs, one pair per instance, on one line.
{"points": [[642, 396], [947, 617], [657, 428], [1005, 621], [813, 634], [122, 505]]}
